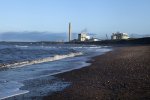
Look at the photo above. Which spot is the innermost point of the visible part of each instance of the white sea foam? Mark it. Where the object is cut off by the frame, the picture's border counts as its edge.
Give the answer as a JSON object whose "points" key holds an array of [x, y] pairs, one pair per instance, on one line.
{"points": [[37, 61], [12, 80], [10, 89], [12, 94], [21, 46]]}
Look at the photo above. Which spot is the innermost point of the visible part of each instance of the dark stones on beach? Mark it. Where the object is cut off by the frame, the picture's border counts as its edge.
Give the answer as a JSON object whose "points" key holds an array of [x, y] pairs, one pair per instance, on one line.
{"points": [[122, 74]]}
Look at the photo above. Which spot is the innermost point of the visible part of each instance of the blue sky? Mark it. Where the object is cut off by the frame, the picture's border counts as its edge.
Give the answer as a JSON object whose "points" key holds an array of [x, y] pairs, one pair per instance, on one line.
{"points": [[97, 16]]}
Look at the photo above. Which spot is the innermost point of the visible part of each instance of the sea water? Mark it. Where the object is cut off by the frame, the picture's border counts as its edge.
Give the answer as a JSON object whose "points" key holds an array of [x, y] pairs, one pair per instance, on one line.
{"points": [[27, 70]]}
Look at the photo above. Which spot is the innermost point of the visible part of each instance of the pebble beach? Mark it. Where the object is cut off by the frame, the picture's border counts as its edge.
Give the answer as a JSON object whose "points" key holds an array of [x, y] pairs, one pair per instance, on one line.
{"points": [[121, 74]]}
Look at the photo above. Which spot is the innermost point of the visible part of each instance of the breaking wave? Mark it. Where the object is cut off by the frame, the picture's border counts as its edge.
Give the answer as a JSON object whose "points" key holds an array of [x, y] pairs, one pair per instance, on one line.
{"points": [[42, 60]]}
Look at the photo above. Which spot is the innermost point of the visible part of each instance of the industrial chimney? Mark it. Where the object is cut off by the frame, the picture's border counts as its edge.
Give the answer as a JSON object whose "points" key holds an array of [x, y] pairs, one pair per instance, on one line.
{"points": [[69, 32]]}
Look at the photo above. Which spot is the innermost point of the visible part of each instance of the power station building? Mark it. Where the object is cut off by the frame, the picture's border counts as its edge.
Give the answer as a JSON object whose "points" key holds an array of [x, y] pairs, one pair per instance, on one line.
{"points": [[83, 37], [119, 36]]}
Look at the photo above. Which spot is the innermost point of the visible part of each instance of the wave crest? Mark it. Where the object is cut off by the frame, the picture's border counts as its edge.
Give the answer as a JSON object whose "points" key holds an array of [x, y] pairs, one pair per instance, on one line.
{"points": [[37, 61]]}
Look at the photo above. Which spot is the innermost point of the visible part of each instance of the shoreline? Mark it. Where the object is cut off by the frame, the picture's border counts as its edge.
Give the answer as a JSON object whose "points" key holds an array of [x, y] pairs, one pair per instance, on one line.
{"points": [[119, 74], [74, 65]]}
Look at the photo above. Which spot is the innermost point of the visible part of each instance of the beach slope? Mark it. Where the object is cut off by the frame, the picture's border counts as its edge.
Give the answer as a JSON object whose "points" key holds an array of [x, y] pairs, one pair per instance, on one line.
{"points": [[121, 74]]}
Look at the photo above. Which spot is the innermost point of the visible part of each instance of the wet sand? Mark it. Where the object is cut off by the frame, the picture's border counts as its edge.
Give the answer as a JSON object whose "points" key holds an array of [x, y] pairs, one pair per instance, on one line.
{"points": [[122, 74]]}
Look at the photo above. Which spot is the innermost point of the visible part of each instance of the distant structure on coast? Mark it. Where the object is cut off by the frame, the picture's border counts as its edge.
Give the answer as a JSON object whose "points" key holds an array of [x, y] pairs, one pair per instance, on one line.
{"points": [[69, 32], [94, 39], [83, 36], [119, 36]]}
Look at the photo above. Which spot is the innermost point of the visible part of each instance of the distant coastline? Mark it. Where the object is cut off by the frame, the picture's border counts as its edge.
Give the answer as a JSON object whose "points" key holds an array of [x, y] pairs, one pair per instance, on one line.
{"points": [[136, 41]]}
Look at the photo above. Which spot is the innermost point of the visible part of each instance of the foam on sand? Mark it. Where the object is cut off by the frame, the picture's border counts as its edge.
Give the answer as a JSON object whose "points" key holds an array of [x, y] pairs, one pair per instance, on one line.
{"points": [[10, 89]]}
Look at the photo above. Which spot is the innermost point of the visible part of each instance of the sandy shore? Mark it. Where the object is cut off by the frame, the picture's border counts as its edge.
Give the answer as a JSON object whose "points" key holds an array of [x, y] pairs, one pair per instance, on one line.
{"points": [[118, 75]]}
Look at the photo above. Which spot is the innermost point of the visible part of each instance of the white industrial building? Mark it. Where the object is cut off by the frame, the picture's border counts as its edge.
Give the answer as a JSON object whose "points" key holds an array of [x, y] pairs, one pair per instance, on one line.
{"points": [[83, 36], [119, 36], [94, 39]]}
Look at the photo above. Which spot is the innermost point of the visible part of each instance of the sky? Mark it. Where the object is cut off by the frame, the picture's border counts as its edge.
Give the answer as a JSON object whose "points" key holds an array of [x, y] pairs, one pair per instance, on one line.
{"points": [[97, 16]]}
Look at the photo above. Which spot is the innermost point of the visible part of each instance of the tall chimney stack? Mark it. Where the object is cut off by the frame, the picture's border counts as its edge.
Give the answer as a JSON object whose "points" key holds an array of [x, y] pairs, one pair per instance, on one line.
{"points": [[69, 32]]}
